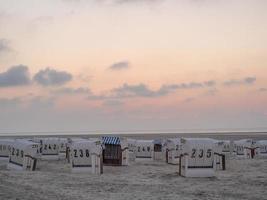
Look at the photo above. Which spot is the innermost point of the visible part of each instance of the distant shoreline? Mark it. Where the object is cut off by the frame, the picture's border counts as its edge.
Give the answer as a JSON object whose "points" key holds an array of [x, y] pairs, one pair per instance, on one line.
{"points": [[146, 134]]}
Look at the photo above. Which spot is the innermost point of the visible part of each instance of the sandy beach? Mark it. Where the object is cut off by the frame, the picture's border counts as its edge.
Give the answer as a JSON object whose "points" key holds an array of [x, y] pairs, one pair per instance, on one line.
{"points": [[243, 179]]}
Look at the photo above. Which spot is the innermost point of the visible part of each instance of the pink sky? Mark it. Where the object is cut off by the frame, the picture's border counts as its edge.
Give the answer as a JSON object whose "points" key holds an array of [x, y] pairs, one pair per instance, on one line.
{"points": [[132, 65]]}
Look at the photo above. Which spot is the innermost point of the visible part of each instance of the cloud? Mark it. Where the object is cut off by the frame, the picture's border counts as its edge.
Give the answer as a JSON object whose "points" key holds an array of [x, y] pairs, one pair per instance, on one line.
{"points": [[192, 85], [249, 80], [210, 83], [263, 89], [72, 91], [15, 76], [4, 45], [142, 90], [126, 91], [120, 65], [244, 81], [50, 77]]}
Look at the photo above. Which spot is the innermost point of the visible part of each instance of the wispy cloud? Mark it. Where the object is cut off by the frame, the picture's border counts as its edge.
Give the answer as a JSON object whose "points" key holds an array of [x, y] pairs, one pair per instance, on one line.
{"points": [[142, 90], [119, 66], [71, 91], [210, 83], [244, 81], [191, 85], [263, 89], [4, 45]]}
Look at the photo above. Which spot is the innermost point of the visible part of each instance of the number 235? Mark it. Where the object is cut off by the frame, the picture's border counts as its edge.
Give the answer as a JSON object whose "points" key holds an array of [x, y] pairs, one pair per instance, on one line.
{"points": [[201, 153]]}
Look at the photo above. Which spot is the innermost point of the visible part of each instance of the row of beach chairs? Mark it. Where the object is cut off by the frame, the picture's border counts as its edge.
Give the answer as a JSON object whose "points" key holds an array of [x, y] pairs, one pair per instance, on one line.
{"points": [[195, 157]]}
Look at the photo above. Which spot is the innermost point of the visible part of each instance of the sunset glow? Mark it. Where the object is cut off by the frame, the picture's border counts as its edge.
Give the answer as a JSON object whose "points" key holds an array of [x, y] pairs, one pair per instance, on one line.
{"points": [[132, 65]]}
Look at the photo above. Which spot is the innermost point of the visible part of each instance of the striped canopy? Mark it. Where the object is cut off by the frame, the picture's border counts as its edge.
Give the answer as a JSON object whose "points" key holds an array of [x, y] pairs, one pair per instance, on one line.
{"points": [[111, 140], [157, 141]]}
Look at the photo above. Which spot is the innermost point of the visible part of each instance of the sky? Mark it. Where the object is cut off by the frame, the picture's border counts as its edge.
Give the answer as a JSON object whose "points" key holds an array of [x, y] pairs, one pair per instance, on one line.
{"points": [[129, 65]]}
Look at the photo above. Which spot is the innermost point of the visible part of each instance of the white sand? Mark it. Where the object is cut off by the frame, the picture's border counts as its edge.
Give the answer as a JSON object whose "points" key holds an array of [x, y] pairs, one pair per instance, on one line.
{"points": [[244, 179]]}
